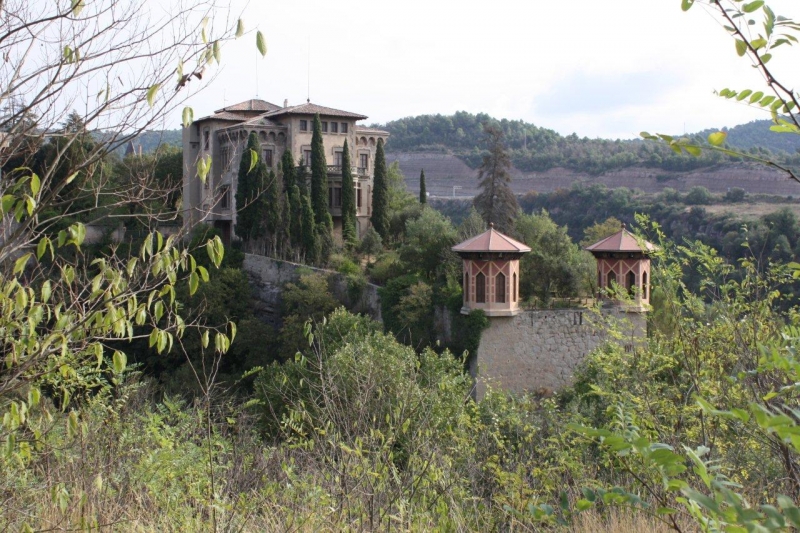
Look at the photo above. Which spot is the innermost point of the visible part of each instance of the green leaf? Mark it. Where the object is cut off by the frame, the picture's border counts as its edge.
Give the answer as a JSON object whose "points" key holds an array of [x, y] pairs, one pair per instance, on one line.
{"points": [[756, 97], [194, 281], [693, 150], [765, 58], [188, 116], [77, 7], [35, 184], [717, 139], [19, 264], [204, 339], [253, 160], [261, 44], [217, 52], [239, 28], [758, 43], [741, 47], [686, 5], [151, 94], [752, 6], [744, 94], [119, 361], [71, 178], [766, 101]]}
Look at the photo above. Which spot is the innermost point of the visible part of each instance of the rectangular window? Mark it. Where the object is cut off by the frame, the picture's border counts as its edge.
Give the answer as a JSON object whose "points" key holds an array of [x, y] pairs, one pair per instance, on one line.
{"points": [[307, 158], [344, 127], [268, 157], [206, 139], [334, 197], [225, 198], [303, 125], [334, 127], [364, 161], [324, 127], [358, 198], [225, 158], [337, 159]]}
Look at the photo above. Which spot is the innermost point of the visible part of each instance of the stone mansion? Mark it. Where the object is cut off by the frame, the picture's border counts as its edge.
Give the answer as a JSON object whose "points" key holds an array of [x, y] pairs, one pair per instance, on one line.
{"points": [[223, 136]]}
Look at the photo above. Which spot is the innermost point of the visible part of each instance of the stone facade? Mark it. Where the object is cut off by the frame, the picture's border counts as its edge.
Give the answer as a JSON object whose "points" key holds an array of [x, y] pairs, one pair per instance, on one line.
{"points": [[538, 351], [223, 137]]}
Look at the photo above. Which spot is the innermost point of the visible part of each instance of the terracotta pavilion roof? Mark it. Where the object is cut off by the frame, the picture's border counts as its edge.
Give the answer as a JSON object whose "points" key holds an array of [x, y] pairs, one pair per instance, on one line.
{"points": [[312, 109], [491, 241], [621, 241]]}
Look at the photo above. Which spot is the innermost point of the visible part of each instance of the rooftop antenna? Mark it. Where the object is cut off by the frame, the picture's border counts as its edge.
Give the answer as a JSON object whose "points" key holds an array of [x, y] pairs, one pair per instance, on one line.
{"points": [[308, 73]]}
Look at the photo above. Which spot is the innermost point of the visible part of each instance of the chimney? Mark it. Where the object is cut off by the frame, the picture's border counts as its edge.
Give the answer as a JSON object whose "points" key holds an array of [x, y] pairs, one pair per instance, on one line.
{"points": [[286, 103]]}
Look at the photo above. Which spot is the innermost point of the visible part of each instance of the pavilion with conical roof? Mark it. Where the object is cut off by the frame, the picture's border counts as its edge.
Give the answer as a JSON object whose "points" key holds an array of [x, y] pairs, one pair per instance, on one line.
{"points": [[491, 273], [623, 262]]}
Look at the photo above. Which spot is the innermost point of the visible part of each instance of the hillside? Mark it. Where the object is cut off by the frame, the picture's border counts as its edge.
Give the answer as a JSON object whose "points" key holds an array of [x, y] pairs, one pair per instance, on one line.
{"points": [[449, 148]]}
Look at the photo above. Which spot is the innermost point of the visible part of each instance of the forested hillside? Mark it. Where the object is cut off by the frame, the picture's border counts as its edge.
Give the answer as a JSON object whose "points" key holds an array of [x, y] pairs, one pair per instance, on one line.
{"points": [[756, 134], [538, 149]]}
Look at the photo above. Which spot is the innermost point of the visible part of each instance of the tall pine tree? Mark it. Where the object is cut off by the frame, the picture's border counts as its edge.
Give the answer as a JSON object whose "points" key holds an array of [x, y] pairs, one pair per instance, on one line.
{"points": [[380, 194], [250, 182], [319, 180], [423, 194], [348, 199], [496, 202]]}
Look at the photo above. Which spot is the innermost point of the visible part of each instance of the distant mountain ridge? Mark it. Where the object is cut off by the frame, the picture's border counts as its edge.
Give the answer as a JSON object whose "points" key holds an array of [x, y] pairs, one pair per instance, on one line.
{"points": [[756, 134]]}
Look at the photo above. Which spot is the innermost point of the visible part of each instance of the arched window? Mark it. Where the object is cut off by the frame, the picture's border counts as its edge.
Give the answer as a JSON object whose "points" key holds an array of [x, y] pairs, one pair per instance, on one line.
{"points": [[500, 288], [514, 286], [466, 286], [612, 278], [644, 285], [480, 288], [630, 283]]}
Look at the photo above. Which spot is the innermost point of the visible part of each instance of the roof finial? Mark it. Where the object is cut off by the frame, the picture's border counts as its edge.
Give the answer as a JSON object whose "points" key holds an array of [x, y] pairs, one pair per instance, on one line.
{"points": [[491, 225], [625, 226]]}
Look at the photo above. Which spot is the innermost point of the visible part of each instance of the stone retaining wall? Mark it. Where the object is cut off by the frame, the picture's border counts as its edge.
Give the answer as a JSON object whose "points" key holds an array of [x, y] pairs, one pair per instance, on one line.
{"points": [[268, 276], [538, 351]]}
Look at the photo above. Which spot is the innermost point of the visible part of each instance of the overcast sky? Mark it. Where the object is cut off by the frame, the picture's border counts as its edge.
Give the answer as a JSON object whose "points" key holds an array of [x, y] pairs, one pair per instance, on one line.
{"points": [[609, 68]]}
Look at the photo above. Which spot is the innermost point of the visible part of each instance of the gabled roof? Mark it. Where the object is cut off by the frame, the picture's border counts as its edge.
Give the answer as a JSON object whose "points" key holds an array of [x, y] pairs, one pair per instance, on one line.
{"points": [[224, 115], [250, 105], [258, 121], [491, 241], [621, 241], [313, 109]]}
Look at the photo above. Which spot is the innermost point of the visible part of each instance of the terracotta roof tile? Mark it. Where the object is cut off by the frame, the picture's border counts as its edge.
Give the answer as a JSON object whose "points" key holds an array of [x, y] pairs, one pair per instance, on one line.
{"points": [[491, 241], [250, 105], [312, 109], [622, 241], [224, 115]]}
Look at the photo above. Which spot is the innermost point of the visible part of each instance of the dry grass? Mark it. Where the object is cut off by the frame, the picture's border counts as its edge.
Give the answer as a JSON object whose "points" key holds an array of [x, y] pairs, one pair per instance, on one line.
{"points": [[618, 522], [754, 210]]}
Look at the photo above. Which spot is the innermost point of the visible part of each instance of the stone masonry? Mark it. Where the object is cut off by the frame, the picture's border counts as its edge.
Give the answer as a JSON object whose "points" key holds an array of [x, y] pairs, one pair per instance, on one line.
{"points": [[538, 351]]}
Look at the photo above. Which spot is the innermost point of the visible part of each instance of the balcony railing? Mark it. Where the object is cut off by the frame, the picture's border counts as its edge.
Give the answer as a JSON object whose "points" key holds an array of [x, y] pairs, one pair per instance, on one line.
{"points": [[337, 169]]}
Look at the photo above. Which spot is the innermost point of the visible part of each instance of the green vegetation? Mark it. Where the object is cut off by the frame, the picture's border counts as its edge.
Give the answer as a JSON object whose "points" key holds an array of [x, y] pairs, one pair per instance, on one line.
{"points": [[379, 218], [423, 194], [251, 204], [348, 199], [319, 182], [132, 400], [496, 203]]}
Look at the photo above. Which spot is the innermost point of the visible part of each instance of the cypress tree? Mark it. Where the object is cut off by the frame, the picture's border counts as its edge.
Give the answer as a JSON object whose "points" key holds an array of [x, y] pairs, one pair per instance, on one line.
{"points": [[296, 219], [293, 221], [380, 194], [319, 179], [423, 194], [249, 187], [348, 199], [272, 206], [310, 244]]}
